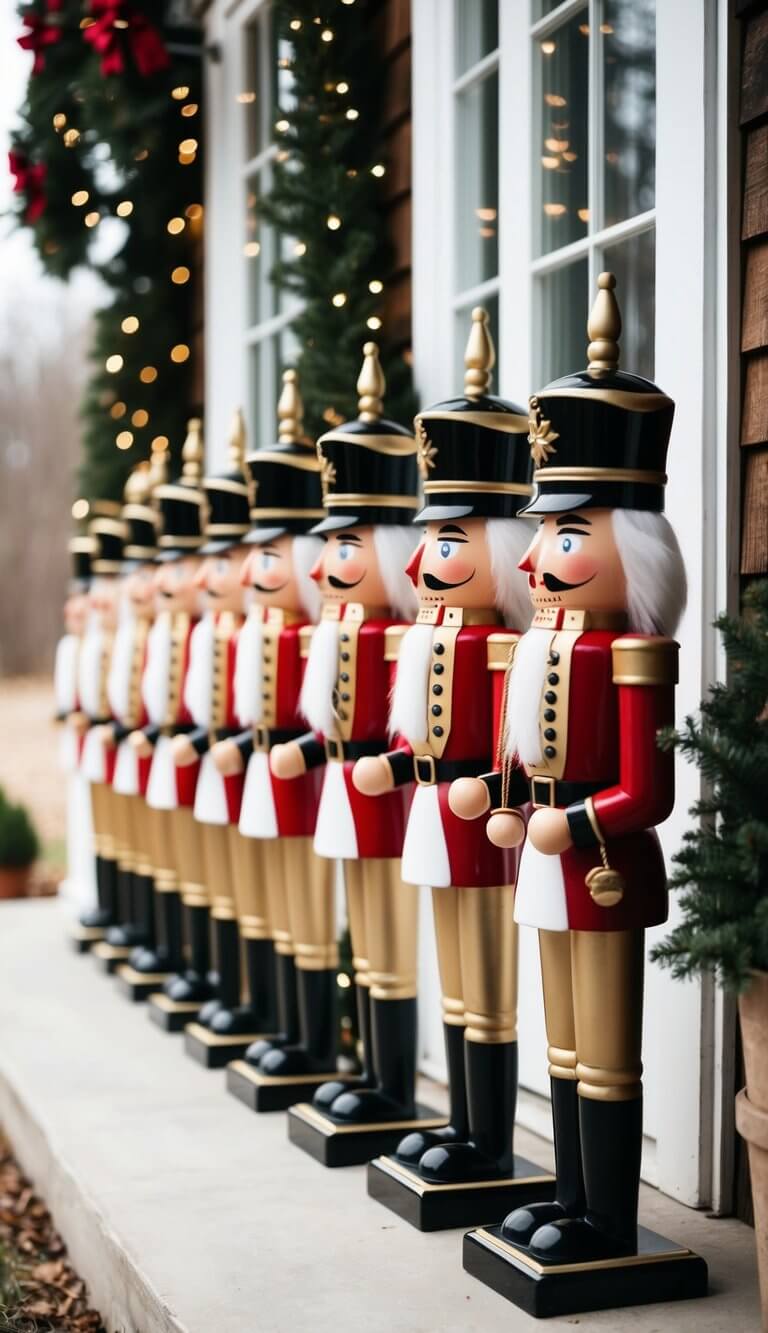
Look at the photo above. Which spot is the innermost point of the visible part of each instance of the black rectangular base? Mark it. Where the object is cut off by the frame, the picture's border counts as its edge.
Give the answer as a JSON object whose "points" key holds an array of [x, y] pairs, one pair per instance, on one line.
{"points": [[438, 1207], [264, 1092], [660, 1271], [109, 956], [332, 1144], [138, 986], [171, 1015], [83, 938], [214, 1051]]}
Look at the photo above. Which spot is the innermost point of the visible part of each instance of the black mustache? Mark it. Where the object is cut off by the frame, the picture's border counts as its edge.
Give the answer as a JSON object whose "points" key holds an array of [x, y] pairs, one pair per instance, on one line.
{"points": [[437, 585], [554, 584], [260, 587], [339, 583]]}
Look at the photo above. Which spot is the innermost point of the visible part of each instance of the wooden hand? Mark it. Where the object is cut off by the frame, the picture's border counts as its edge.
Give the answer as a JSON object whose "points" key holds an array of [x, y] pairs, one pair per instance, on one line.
{"points": [[468, 798], [287, 760], [549, 832], [227, 758], [372, 775]]}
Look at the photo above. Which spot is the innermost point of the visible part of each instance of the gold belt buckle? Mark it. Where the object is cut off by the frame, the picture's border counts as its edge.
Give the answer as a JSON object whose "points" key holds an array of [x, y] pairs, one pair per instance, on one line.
{"points": [[549, 793], [429, 760], [261, 738], [333, 749]]}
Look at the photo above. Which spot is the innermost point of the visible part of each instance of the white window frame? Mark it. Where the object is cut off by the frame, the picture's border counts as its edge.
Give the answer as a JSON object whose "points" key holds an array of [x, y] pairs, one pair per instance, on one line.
{"points": [[688, 1027]]}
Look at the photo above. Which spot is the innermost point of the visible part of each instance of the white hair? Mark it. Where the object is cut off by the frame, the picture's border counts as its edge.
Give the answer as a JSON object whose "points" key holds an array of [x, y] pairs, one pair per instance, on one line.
{"points": [[508, 539], [408, 705], [653, 568], [305, 552], [394, 547]]}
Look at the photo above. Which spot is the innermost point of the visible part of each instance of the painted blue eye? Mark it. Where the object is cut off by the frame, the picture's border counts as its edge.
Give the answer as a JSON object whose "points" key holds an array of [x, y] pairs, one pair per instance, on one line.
{"points": [[344, 551], [568, 544], [447, 549], [266, 561]]}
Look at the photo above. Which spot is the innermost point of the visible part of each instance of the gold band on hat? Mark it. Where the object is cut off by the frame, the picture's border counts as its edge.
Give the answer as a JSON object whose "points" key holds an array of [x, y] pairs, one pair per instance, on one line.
{"points": [[256, 514], [632, 402], [188, 542], [224, 484], [374, 501], [108, 527], [626, 474], [225, 530], [398, 446], [178, 492], [81, 546], [510, 423], [139, 552], [106, 567], [141, 512], [309, 461], [477, 487]]}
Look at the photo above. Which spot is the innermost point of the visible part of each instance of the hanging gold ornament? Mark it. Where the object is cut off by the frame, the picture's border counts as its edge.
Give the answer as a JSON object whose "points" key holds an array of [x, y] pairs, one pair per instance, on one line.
{"points": [[59, 121], [606, 886], [71, 138]]}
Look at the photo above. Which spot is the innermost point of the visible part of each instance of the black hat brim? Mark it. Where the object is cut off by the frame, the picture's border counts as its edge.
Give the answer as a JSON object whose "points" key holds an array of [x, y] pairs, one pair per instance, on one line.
{"points": [[558, 504], [437, 513], [335, 523], [219, 547], [260, 536]]}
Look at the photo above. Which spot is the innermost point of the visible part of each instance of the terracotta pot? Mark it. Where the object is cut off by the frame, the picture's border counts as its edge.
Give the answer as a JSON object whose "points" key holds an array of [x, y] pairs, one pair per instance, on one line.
{"points": [[752, 1115], [14, 881]]}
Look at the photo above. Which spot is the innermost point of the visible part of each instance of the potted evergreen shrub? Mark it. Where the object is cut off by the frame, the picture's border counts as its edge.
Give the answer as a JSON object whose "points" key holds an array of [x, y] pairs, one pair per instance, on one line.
{"points": [[722, 870], [19, 848]]}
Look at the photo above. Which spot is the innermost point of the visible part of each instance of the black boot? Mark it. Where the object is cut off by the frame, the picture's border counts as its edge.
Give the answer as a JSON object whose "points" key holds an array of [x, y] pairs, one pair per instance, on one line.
{"points": [[260, 1013], [412, 1148], [316, 1050], [287, 1011], [393, 1032], [569, 1199], [227, 1019], [105, 913], [128, 933], [194, 984], [167, 955], [328, 1092], [491, 1074], [611, 1143], [148, 912]]}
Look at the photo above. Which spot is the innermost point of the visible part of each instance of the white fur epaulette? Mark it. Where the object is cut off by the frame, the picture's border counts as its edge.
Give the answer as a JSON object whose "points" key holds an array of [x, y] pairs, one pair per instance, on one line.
{"points": [[645, 661]]}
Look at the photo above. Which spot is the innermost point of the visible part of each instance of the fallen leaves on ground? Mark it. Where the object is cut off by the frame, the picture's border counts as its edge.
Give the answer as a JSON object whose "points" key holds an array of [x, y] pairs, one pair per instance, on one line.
{"points": [[39, 1291]]}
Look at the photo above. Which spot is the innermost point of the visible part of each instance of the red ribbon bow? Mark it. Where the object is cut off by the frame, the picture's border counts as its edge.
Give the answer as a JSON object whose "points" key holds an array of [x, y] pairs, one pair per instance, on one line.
{"points": [[30, 180], [44, 30], [114, 22]]}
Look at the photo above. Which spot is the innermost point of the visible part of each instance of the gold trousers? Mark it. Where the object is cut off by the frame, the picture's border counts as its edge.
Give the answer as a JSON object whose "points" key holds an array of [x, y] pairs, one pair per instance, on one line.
{"points": [[477, 958], [141, 824], [250, 889], [121, 817], [188, 857], [383, 923], [593, 1004], [102, 820], [308, 882], [217, 864], [273, 861], [162, 850]]}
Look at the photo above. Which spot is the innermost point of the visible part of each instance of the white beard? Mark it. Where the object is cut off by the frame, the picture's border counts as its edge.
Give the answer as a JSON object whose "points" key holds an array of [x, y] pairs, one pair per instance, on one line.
{"points": [[316, 701], [89, 667], [408, 709], [156, 681], [522, 736], [198, 687], [121, 665], [65, 673], [249, 670]]}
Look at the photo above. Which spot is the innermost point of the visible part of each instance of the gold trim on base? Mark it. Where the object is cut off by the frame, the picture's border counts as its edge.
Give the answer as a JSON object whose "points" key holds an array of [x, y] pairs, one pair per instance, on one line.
{"points": [[286, 1080], [88, 933], [547, 1270], [224, 1039], [169, 1006], [135, 978], [108, 952], [413, 1182], [318, 1121]]}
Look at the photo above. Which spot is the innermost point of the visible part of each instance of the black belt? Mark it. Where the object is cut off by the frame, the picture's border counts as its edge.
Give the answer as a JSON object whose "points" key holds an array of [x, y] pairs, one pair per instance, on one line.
{"points": [[335, 749], [265, 737], [427, 770], [549, 791]]}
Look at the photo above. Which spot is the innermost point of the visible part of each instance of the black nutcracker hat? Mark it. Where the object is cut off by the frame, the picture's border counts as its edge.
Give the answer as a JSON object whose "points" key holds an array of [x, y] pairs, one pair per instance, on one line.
{"points": [[599, 437], [181, 503], [139, 516], [369, 466], [228, 498], [474, 457], [107, 530], [286, 482], [80, 551]]}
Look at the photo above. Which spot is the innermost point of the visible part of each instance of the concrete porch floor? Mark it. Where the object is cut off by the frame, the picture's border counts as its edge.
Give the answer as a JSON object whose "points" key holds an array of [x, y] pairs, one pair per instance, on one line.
{"points": [[184, 1211]]}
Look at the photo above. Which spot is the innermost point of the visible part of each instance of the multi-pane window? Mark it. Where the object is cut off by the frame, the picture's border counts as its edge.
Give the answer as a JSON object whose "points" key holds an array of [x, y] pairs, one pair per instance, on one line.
{"points": [[476, 167], [593, 174], [270, 345]]}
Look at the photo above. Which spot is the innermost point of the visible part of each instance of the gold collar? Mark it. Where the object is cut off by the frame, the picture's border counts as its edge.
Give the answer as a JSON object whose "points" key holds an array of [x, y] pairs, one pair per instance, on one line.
{"points": [[560, 618], [277, 615], [456, 616], [354, 611]]}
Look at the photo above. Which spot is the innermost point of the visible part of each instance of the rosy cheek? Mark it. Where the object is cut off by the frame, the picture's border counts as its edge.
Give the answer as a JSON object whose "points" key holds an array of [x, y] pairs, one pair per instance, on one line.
{"points": [[350, 570], [576, 568], [455, 570]]}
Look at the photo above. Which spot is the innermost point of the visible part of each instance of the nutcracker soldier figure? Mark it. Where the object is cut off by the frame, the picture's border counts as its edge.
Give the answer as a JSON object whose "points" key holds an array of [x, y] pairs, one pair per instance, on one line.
{"points": [[587, 690], [97, 762], [136, 612], [174, 841], [475, 464], [224, 1027], [80, 882], [287, 905], [370, 476]]}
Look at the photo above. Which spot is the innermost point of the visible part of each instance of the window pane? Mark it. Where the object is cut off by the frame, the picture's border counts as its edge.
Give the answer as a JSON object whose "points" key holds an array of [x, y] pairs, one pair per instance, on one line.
{"points": [[254, 259], [561, 321], [254, 396], [461, 329], [259, 93], [477, 31], [628, 37], [561, 65], [477, 176], [634, 263], [543, 7]]}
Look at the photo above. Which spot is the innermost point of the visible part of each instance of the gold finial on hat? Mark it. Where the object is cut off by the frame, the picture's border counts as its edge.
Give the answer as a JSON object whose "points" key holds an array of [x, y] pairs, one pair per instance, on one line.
{"points": [[158, 468], [480, 355], [290, 410], [138, 487], [237, 441], [604, 327], [371, 385], [193, 453]]}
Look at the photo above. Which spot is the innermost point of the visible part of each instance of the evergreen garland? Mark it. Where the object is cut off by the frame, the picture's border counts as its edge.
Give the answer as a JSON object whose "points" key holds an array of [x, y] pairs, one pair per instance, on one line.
{"points": [[723, 864], [114, 91], [326, 201]]}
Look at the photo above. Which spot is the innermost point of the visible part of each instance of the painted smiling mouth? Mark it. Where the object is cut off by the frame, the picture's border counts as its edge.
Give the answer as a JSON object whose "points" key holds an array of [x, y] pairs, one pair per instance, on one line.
{"points": [[437, 585], [260, 587], [554, 584], [339, 583]]}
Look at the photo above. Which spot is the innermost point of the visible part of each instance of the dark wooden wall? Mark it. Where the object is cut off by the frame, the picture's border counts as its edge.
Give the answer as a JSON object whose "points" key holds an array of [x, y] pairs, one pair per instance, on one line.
{"points": [[753, 121], [393, 30]]}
